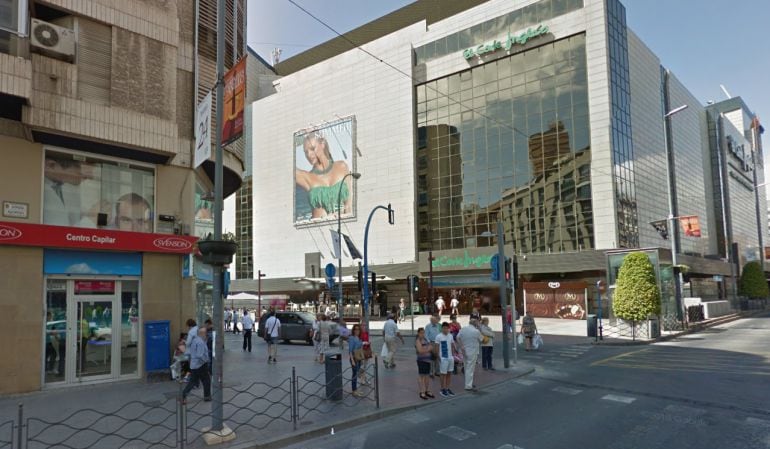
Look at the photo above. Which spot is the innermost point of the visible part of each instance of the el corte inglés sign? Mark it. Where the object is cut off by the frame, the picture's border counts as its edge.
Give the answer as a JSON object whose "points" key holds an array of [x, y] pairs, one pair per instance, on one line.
{"points": [[506, 43]]}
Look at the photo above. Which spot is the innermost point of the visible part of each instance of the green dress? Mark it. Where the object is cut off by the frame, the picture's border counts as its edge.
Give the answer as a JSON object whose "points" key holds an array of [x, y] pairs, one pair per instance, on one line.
{"points": [[325, 197]]}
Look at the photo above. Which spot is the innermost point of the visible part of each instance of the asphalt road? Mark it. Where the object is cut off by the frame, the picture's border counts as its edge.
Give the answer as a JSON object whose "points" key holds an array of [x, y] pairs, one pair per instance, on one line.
{"points": [[705, 390]]}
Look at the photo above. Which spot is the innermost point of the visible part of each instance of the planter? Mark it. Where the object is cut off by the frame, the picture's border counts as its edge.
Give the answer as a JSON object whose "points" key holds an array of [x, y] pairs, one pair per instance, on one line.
{"points": [[640, 330], [217, 252]]}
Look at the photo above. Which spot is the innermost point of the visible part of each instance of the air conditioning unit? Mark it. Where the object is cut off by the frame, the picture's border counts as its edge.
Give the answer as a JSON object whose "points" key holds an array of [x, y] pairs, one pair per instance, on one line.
{"points": [[52, 38]]}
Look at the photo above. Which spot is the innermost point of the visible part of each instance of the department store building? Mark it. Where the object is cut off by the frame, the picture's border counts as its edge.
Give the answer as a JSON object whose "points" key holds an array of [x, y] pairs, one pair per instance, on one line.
{"points": [[546, 115]]}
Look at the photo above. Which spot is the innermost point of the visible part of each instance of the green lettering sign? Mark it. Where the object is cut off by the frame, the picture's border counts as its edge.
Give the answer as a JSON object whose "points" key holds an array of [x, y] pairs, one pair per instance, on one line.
{"points": [[465, 261], [507, 43]]}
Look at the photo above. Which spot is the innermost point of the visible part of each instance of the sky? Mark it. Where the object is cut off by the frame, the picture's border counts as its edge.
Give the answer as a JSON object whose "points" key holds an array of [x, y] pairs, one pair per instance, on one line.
{"points": [[704, 42]]}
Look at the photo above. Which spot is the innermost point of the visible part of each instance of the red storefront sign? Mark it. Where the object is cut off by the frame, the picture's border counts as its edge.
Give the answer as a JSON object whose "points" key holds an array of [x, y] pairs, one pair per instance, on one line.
{"points": [[27, 234], [94, 287]]}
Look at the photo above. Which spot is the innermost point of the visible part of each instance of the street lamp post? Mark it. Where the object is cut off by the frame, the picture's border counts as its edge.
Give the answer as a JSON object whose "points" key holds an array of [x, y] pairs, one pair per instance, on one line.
{"points": [[339, 236], [260, 275], [365, 283], [673, 231]]}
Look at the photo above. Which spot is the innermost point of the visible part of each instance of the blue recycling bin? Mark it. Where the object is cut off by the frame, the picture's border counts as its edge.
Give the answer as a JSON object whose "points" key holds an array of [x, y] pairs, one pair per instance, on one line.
{"points": [[157, 344]]}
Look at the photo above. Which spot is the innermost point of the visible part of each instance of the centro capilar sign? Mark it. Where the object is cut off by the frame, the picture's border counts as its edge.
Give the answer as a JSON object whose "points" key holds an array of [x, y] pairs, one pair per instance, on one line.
{"points": [[507, 43]]}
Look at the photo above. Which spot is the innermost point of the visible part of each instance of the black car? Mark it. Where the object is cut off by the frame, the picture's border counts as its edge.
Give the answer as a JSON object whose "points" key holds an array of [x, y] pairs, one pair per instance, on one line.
{"points": [[294, 326]]}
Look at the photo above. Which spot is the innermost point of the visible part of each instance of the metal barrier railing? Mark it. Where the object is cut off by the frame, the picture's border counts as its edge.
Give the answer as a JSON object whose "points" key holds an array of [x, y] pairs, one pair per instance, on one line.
{"points": [[174, 423]]}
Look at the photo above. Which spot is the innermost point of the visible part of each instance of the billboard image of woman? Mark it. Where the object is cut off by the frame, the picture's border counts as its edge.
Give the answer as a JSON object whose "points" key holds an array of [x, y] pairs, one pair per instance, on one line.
{"points": [[322, 157]]}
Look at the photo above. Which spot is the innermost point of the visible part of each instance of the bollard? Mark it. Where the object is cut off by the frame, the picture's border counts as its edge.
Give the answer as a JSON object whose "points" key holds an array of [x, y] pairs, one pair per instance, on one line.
{"points": [[294, 404], [376, 382], [20, 426]]}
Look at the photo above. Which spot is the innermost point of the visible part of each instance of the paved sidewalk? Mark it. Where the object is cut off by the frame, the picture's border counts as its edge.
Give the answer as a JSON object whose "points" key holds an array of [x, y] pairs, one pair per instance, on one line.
{"points": [[546, 326], [244, 373]]}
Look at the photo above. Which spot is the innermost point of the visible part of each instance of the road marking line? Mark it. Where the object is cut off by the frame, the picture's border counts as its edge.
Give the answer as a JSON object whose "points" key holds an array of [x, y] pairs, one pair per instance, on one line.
{"points": [[758, 422], [618, 398], [509, 446], [554, 361], [619, 356], [358, 441], [570, 355], [416, 418], [456, 433], [566, 390], [526, 382]]}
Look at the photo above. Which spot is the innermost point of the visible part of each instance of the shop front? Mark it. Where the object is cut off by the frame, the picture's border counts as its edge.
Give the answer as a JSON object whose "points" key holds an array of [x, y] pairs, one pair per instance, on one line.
{"points": [[93, 297]]}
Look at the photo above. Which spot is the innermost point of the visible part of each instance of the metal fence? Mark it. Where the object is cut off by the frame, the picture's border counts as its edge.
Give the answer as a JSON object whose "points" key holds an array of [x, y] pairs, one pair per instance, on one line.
{"points": [[170, 422]]}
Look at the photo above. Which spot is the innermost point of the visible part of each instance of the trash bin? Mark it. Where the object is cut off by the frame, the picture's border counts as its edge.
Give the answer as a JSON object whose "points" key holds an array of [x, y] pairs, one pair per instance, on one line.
{"points": [[591, 324], [333, 364], [157, 345]]}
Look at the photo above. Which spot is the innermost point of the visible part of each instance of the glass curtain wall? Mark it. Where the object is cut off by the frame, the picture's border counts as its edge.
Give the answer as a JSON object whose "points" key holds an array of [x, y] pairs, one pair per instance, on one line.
{"points": [[508, 139]]}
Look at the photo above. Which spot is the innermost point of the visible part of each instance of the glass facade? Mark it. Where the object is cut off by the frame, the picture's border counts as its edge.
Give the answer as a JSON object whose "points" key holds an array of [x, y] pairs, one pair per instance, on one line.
{"points": [[507, 140], [517, 20], [622, 144]]}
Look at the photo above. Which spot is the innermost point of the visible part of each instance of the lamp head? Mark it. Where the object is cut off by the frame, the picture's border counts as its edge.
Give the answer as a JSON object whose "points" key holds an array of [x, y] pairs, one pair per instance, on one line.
{"points": [[355, 175]]}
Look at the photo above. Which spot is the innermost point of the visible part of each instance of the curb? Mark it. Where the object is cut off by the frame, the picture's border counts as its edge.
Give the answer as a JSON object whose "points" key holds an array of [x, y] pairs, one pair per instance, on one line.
{"points": [[694, 328], [320, 430]]}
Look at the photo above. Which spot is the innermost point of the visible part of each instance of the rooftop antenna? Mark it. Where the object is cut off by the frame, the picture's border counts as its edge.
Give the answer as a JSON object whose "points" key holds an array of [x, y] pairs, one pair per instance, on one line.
{"points": [[724, 89]]}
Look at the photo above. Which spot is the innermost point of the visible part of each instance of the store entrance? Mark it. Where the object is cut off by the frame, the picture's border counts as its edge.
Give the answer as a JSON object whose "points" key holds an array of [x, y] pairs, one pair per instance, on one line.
{"points": [[92, 330]]}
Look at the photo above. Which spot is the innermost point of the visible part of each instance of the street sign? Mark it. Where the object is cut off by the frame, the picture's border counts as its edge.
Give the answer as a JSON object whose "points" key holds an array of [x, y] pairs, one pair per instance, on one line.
{"points": [[494, 264], [203, 131], [330, 270]]}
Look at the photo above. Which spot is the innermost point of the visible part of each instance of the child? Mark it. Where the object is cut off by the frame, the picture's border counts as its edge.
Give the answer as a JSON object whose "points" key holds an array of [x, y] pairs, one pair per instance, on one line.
{"points": [[446, 350], [180, 368]]}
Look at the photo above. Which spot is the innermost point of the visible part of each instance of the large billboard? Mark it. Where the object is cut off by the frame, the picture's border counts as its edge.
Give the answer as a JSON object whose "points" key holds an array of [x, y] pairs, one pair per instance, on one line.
{"points": [[323, 155], [234, 101], [87, 192]]}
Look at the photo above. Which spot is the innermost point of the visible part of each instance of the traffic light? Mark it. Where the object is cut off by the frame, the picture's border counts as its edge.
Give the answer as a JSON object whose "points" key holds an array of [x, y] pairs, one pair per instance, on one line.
{"points": [[360, 279], [373, 289], [515, 275], [415, 283], [508, 269]]}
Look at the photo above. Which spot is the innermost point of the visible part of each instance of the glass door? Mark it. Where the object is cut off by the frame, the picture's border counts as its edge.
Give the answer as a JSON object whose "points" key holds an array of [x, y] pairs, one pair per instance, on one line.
{"points": [[93, 325]]}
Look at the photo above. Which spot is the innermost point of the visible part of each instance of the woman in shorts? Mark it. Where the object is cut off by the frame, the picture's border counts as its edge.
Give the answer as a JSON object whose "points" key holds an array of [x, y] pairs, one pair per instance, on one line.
{"points": [[424, 350]]}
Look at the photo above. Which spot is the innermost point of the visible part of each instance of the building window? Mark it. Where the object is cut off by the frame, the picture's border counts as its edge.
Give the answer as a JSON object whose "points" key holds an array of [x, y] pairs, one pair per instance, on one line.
{"points": [[515, 156], [84, 191]]}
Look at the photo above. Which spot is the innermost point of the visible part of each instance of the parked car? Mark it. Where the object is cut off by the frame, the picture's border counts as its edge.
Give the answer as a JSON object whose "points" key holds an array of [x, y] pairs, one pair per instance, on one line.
{"points": [[295, 326]]}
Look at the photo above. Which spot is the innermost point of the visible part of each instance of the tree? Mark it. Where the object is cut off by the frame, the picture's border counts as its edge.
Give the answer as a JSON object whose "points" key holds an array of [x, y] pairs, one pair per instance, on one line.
{"points": [[637, 295], [753, 283]]}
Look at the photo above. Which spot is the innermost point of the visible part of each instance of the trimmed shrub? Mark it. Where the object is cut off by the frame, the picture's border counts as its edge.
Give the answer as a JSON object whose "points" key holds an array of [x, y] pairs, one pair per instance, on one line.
{"points": [[637, 296], [753, 282]]}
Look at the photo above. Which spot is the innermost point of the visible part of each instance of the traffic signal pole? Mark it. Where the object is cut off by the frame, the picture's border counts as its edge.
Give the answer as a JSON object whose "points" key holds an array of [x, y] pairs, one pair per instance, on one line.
{"points": [[503, 293]]}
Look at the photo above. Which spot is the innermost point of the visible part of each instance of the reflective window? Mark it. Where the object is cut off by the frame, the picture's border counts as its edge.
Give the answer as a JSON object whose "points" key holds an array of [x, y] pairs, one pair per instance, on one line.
{"points": [[520, 155]]}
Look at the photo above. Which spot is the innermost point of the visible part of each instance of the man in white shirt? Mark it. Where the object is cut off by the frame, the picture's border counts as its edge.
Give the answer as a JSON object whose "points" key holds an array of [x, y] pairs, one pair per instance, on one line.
{"points": [[272, 332], [454, 304], [390, 333], [440, 306], [248, 325], [469, 339], [235, 321]]}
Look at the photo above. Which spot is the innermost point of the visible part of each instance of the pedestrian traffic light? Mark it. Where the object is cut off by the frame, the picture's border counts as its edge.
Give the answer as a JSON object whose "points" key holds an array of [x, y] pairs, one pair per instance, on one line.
{"points": [[360, 279], [374, 283], [415, 283], [508, 269]]}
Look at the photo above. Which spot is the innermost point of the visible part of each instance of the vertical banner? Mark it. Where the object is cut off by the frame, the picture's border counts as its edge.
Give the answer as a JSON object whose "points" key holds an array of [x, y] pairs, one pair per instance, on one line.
{"points": [[203, 131], [235, 98], [690, 225]]}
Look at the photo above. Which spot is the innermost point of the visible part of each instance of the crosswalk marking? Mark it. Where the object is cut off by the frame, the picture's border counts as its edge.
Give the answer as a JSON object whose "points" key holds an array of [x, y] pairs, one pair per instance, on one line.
{"points": [[566, 390], [618, 398], [758, 422], [509, 446], [526, 382], [358, 440], [456, 433]]}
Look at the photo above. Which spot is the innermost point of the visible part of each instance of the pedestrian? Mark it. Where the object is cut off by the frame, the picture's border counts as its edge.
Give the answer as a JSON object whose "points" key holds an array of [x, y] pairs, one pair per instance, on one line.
{"points": [[367, 346], [209, 340], [475, 314], [424, 349], [272, 332], [454, 326], [324, 331], [199, 360], [228, 319], [469, 340], [431, 332], [446, 349], [529, 329], [440, 304], [192, 331], [180, 366], [487, 344], [401, 310], [248, 328], [344, 333], [316, 335], [356, 354], [454, 303], [390, 334], [235, 321]]}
